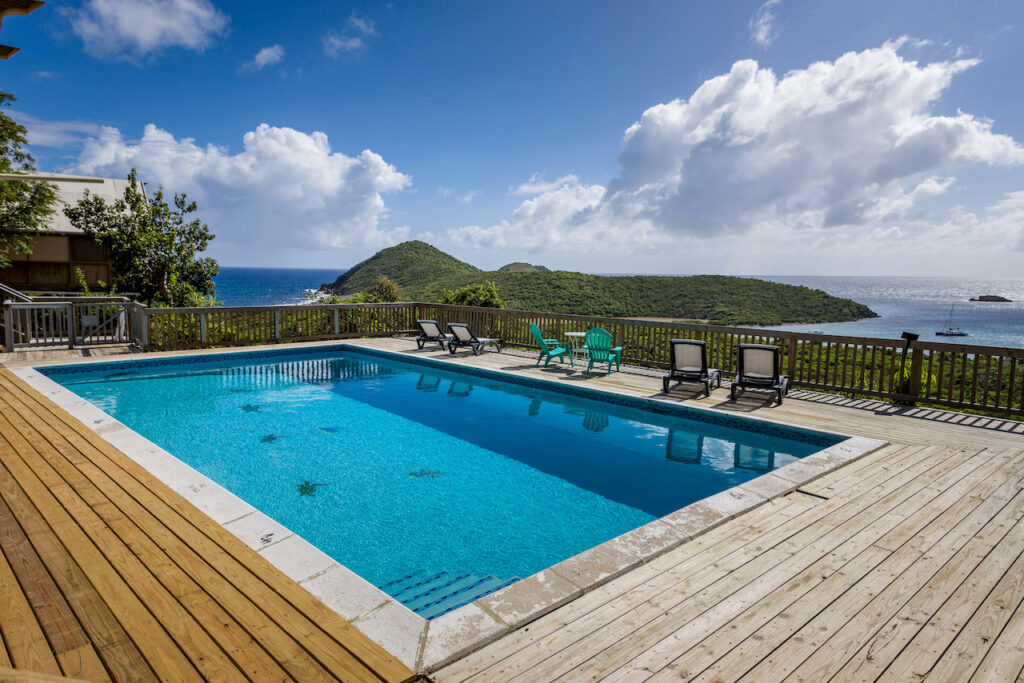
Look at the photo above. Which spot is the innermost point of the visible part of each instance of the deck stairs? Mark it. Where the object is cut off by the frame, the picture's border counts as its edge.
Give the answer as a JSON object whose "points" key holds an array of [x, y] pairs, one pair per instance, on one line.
{"points": [[431, 595]]}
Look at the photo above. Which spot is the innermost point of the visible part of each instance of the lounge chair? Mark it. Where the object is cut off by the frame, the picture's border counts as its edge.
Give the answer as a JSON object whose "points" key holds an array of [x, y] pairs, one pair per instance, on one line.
{"points": [[549, 348], [759, 369], [599, 349], [430, 331], [461, 336], [689, 363]]}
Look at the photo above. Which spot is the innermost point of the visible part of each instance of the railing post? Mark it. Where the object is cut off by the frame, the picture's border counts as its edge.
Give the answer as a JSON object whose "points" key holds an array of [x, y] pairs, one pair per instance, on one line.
{"points": [[791, 371], [337, 322], [69, 313], [916, 358], [202, 327], [277, 325], [140, 324], [8, 329]]}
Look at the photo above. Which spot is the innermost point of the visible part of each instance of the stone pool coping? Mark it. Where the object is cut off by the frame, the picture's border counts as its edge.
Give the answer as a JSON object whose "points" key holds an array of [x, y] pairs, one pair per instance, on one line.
{"points": [[423, 645]]}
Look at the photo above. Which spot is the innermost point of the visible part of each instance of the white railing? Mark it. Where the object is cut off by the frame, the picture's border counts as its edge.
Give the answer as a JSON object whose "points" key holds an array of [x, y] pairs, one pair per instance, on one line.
{"points": [[85, 322]]}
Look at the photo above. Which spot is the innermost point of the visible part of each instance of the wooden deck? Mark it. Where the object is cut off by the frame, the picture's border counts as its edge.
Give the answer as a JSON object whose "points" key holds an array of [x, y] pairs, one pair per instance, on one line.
{"points": [[106, 574], [906, 564]]}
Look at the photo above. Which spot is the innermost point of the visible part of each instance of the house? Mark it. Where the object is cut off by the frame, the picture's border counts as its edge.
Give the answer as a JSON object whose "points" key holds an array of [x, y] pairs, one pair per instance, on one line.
{"points": [[62, 249]]}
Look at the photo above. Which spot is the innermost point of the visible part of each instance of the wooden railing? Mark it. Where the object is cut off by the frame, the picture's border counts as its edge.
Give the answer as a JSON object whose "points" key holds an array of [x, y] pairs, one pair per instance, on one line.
{"points": [[979, 378]]}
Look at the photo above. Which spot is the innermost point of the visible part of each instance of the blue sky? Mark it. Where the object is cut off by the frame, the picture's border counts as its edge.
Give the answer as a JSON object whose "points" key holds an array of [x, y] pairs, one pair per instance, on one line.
{"points": [[745, 137]]}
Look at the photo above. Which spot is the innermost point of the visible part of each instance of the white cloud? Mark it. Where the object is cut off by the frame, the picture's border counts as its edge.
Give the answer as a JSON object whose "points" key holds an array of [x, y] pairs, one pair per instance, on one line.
{"points": [[351, 41], [268, 56], [762, 24], [336, 44], [363, 25], [45, 75], [285, 189], [47, 133], [131, 29], [537, 185], [824, 155]]}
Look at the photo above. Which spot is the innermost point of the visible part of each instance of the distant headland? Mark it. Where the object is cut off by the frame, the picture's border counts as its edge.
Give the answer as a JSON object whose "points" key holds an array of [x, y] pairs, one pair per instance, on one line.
{"points": [[991, 298], [425, 273]]}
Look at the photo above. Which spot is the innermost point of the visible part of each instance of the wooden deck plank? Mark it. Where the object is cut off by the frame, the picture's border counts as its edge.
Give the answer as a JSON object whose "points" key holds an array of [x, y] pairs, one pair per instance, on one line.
{"points": [[304, 617], [119, 653], [832, 543], [953, 640], [883, 590], [159, 648], [834, 572], [857, 614], [218, 621], [23, 637]]}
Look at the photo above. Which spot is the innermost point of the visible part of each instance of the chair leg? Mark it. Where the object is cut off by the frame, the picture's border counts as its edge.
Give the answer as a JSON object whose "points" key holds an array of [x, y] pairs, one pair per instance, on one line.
{"points": [[664, 385]]}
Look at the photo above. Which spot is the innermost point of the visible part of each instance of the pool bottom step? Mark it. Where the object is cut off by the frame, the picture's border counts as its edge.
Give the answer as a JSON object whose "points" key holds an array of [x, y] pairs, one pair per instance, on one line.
{"points": [[431, 595]]}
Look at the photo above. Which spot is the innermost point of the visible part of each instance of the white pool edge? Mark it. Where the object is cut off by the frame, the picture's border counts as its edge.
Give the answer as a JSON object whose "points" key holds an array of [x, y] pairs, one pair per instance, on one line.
{"points": [[425, 646]]}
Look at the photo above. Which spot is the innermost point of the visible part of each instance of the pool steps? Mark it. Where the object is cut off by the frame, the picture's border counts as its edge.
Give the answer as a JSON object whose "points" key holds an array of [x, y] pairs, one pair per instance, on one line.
{"points": [[431, 596]]}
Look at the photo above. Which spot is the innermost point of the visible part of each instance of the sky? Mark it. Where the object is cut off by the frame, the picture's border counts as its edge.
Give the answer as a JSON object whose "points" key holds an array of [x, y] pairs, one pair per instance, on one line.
{"points": [[778, 137]]}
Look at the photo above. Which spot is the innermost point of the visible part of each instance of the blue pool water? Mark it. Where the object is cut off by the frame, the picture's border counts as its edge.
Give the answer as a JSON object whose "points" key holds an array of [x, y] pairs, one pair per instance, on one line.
{"points": [[420, 469]]}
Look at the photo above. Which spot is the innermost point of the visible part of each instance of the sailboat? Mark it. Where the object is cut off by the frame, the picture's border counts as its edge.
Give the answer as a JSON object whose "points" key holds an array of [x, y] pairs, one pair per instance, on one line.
{"points": [[951, 331]]}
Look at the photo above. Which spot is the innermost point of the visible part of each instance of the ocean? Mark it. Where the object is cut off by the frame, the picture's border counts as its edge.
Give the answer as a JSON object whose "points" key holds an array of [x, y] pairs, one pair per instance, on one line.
{"points": [[914, 304], [922, 305], [270, 286]]}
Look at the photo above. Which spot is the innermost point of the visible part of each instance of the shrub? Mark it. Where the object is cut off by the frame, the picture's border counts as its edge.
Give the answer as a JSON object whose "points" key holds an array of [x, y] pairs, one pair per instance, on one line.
{"points": [[485, 295]]}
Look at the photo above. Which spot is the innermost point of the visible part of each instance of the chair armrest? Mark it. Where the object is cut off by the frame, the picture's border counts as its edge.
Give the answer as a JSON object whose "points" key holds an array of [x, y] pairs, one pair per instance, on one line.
{"points": [[617, 349], [551, 341]]}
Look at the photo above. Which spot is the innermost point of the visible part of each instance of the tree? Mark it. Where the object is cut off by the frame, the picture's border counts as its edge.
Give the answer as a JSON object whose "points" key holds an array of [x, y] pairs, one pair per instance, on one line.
{"points": [[24, 204], [385, 290], [153, 249], [485, 295]]}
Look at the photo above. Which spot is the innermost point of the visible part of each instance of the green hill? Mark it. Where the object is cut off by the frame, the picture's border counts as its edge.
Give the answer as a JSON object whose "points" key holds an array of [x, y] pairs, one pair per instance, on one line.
{"points": [[425, 272], [520, 267], [410, 264]]}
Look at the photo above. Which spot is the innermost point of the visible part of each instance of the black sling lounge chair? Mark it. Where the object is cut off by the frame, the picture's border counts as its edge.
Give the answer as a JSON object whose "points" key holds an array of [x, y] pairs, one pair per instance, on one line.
{"points": [[689, 363], [430, 331], [461, 336], [759, 369]]}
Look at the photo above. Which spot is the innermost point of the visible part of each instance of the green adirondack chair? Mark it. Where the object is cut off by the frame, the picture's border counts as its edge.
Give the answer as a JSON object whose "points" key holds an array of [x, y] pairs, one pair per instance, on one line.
{"points": [[549, 348], [599, 349]]}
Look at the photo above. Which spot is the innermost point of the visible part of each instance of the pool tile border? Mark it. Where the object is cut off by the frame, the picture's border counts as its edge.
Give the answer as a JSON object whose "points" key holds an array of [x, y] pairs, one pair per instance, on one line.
{"points": [[426, 646]]}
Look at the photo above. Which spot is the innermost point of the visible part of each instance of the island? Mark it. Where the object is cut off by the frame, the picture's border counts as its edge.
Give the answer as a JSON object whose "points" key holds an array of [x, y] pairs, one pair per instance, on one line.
{"points": [[424, 273], [991, 298]]}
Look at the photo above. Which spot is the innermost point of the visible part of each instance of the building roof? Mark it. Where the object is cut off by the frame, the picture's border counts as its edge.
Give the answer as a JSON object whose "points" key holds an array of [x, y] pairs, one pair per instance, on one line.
{"points": [[71, 188]]}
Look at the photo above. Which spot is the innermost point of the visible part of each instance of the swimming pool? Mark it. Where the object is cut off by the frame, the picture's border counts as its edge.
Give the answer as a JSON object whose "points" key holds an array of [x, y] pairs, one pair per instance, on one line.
{"points": [[436, 483]]}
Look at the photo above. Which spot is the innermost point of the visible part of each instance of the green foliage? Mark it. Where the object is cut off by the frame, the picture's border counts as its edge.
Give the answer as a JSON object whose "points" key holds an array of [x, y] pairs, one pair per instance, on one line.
{"points": [[24, 204], [426, 274], [901, 381], [385, 290], [410, 264], [153, 250], [520, 267], [485, 295]]}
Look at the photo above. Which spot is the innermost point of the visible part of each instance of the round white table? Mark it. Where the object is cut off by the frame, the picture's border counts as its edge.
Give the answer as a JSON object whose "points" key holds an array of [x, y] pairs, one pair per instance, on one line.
{"points": [[577, 344]]}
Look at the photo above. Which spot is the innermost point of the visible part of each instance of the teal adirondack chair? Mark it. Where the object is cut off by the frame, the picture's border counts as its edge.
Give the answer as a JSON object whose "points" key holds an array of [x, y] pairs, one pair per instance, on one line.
{"points": [[549, 348], [599, 349]]}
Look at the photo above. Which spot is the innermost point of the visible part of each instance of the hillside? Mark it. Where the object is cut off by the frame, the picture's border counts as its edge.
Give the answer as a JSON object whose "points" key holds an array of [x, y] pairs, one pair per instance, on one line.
{"points": [[425, 272], [520, 267], [410, 264]]}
